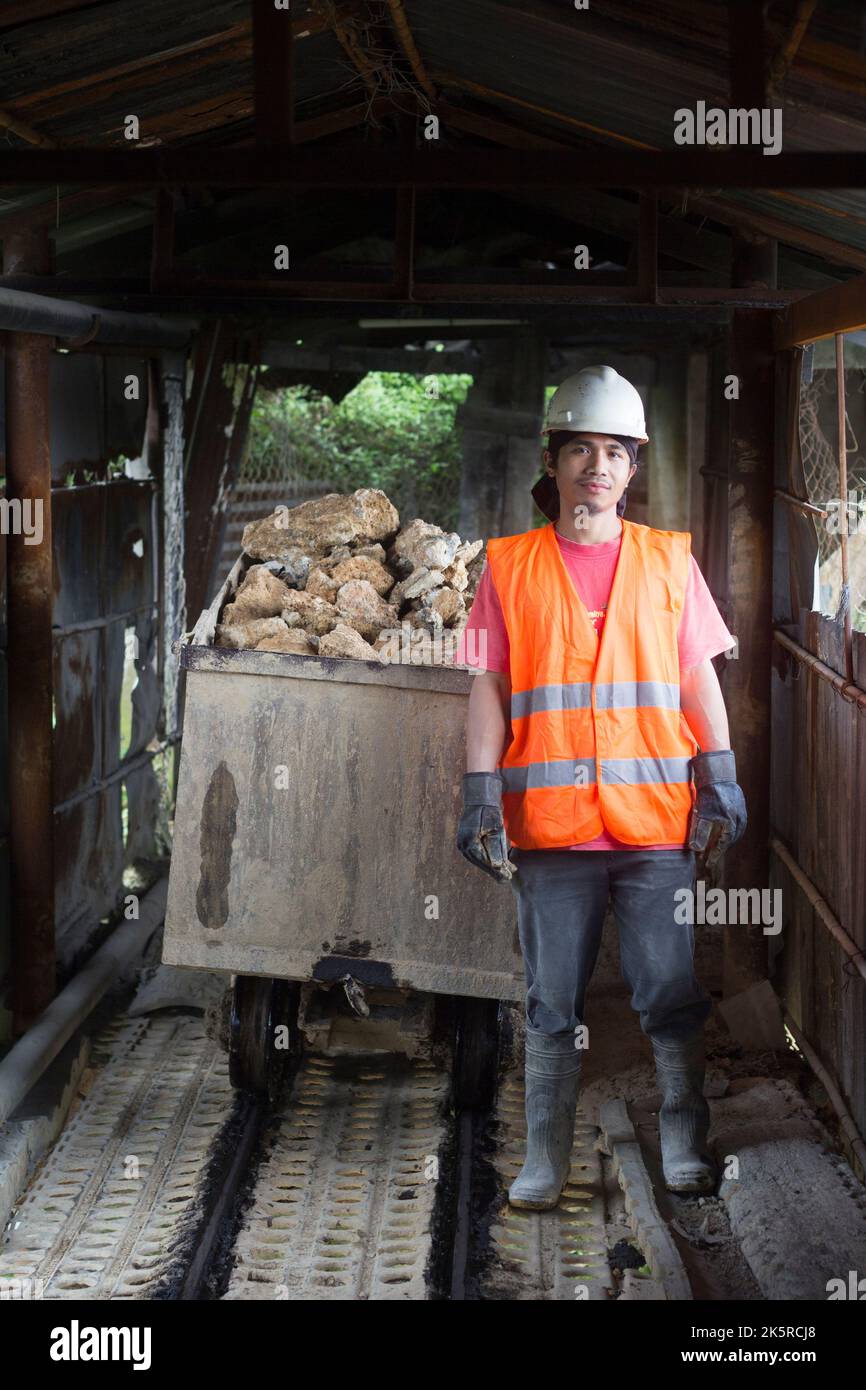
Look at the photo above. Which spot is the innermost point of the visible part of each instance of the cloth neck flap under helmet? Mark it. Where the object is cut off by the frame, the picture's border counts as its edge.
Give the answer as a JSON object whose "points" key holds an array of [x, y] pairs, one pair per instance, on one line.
{"points": [[545, 494]]}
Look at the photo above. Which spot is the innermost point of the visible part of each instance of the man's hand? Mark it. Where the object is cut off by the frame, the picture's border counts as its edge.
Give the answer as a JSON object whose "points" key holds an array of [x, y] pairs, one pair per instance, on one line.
{"points": [[481, 833], [718, 817]]}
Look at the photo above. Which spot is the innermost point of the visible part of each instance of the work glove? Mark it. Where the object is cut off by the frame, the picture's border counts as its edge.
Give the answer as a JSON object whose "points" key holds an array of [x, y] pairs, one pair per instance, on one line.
{"points": [[718, 816], [481, 833]]}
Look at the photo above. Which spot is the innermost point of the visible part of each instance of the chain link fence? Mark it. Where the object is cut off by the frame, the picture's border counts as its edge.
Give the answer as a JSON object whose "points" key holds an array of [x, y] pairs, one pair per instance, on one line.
{"points": [[819, 448]]}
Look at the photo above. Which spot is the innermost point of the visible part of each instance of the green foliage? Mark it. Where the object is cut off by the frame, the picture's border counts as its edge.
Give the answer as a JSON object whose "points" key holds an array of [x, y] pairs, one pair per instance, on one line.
{"points": [[80, 477], [394, 431]]}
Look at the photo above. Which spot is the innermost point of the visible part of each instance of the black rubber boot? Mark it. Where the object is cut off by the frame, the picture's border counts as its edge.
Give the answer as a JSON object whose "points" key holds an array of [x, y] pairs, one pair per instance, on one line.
{"points": [[552, 1072], [684, 1118]]}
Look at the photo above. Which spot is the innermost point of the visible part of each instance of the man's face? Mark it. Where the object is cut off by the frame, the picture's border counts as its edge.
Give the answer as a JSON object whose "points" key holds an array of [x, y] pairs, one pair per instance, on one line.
{"points": [[592, 471]]}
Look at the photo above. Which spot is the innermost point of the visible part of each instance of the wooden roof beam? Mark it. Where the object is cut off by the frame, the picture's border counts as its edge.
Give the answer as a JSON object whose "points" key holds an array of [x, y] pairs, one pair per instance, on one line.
{"points": [[733, 215], [53, 212], [10, 121], [164, 65], [746, 65], [491, 128], [728, 213], [608, 214], [25, 11], [789, 45], [839, 309], [283, 292], [346, 33], [410, 48], [426, 168], [230, 109], [449, 79], [830, 64], [273, 75]]}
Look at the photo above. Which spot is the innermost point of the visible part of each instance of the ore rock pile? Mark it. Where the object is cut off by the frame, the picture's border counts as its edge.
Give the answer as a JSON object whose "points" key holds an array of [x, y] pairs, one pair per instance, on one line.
{"points": [[339, 576]]}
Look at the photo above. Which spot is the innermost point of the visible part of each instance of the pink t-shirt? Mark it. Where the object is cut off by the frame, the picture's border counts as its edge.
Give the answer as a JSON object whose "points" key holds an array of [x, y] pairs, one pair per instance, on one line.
{"points": [[701, 633]]}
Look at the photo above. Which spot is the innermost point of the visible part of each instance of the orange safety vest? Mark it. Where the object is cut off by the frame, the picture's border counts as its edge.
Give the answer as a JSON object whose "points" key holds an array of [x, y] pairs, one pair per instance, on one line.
{"points": [[598, 739]]}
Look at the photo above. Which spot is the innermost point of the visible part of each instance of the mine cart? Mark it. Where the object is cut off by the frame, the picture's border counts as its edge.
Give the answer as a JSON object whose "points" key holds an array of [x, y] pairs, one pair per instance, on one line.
{"points": [[317, 807]]}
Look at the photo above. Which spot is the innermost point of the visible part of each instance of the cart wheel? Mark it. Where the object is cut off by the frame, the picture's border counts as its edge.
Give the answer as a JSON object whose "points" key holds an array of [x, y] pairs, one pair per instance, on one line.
{"points": [[259, 1007], [476, 1053]]}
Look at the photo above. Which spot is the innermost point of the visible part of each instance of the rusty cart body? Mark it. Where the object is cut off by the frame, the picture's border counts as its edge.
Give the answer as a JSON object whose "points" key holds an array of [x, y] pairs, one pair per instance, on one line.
{"points": [[317, 808]]}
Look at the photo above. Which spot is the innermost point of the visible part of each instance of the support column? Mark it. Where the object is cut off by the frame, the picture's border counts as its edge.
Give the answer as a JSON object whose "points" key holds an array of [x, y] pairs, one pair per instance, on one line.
{"points": [[746, 680], [668, 476], [502, 445], [30, 649]]}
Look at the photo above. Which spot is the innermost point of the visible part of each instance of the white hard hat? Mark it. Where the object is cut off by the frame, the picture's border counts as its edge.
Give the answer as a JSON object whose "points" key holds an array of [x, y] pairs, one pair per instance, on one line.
{"points": [[598, 400]]}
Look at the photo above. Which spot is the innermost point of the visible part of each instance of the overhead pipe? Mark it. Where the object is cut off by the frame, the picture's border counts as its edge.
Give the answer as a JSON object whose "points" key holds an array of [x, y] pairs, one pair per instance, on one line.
{"points": [[22, 312], [850, 692]]}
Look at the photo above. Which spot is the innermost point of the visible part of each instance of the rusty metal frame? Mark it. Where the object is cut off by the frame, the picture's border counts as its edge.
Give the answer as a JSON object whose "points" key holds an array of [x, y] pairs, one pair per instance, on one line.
{"points": [[808, 507], [846, 688]]}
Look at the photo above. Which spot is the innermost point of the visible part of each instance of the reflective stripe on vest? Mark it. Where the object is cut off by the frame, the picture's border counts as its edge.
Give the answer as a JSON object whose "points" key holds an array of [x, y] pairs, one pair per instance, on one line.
{"points": [[618, 695], [598, 739], [615, 772]]}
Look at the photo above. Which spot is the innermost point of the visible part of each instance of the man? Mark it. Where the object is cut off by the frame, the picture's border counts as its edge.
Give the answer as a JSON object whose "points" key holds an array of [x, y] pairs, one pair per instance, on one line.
{"points": [[597, 742]]}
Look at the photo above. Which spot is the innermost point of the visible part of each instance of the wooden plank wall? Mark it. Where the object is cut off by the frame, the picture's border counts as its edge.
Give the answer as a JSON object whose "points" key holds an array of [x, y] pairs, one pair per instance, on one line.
{"points": [[818, 809]]}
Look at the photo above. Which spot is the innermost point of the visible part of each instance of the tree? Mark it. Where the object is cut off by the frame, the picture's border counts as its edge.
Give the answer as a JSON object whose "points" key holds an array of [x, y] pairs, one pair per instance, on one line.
{"points": [[394, 431]]}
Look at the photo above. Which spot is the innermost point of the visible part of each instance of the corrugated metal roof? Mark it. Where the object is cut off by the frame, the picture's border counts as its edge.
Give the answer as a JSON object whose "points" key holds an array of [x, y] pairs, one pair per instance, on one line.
{"points": [[617, 89], [129, 49], [839, 213], [93, 40], [614, 74]]}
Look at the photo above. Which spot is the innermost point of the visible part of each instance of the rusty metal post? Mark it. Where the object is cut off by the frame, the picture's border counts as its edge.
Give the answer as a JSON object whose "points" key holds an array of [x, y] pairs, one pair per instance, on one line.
{"points": [[31, 678]]}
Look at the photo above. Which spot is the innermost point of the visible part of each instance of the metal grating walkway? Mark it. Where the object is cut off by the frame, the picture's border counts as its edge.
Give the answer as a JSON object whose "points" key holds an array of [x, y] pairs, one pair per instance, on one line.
{"points": [[554, 1255], [106, 1216], [343, 1204]]}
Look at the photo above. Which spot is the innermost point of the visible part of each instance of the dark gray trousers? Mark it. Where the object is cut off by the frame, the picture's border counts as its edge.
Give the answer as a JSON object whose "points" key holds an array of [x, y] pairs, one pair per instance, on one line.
{"points": [[562, 898]]}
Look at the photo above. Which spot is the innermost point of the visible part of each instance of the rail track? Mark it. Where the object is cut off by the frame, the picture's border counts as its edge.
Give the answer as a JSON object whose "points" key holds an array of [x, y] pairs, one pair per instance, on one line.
{"points": [[360, 1181]]}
